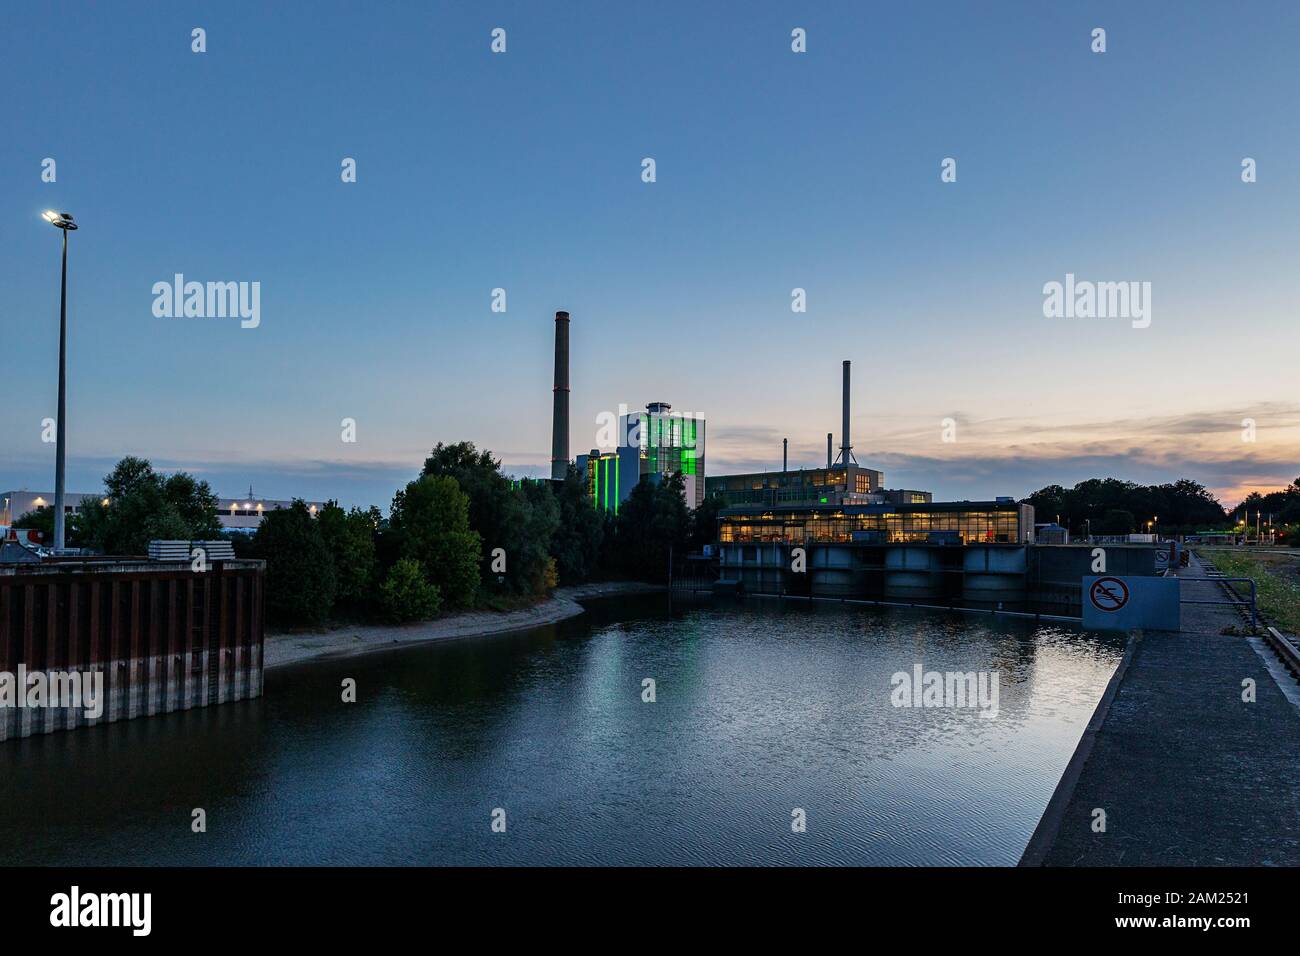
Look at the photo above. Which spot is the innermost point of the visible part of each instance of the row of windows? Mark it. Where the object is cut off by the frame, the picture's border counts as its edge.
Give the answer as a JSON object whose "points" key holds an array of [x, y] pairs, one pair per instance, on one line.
{"points": [[970, 526], [864, 481]]}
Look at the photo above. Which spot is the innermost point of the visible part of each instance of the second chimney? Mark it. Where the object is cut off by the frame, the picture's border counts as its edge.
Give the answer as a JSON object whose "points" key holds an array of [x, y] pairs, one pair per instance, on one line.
{"points": [[560, 401], [846, 446]]}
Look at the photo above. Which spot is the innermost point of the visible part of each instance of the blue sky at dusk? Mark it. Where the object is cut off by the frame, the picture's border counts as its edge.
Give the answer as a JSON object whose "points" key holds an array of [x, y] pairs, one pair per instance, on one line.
{"points": [[775, 170]]}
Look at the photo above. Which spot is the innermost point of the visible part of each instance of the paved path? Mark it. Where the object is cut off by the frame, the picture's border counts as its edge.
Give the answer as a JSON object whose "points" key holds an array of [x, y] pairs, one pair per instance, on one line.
{"points": [[1187, 773]]}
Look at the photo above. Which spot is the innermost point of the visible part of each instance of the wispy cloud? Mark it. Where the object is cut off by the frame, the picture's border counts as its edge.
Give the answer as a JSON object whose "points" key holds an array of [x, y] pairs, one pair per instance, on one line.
{"points": [[1016, 455]]}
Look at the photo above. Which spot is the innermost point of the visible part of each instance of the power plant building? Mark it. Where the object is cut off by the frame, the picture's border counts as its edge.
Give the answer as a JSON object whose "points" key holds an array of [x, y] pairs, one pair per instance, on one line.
{"points": [[666, 443], [653, 445], [1002, 521], [837, 485]]}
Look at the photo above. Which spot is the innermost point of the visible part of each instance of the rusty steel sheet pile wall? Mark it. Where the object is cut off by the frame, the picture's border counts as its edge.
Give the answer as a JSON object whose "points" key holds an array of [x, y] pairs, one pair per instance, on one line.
{"points": [[164, 637]]}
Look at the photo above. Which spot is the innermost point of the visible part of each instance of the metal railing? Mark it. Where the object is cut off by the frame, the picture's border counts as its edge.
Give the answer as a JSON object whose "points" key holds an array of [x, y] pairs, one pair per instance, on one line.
{"points": [[1254, 617]]}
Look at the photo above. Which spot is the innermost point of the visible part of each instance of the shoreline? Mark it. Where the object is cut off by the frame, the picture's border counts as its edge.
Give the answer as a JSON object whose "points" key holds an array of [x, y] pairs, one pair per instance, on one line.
{"points": [[285, 650]]}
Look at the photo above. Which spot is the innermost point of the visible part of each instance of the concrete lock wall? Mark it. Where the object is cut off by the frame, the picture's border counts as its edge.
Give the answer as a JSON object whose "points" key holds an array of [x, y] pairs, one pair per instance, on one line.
{"points": [[912, 574], [994, 577], [1042, 578], [978, 575], [163, 637], [1055, 571]]}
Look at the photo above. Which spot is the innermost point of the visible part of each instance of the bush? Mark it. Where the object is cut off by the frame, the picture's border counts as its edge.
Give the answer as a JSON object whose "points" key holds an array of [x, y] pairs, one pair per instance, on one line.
{"points": [[576, 543], [406, 595], [350, 537], [430, 521], [299, 569]]}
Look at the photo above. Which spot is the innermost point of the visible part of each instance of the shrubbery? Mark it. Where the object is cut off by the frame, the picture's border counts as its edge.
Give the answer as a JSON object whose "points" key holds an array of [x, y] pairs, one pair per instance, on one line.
{"points": [[350, 538], [300, 583], [144, 506], [430, 521], [406, 594], [461, 535]]}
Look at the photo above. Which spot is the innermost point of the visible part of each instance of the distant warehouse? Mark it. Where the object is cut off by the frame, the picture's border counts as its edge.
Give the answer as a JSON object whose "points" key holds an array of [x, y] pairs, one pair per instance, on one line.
{"points": [[235, 514]]}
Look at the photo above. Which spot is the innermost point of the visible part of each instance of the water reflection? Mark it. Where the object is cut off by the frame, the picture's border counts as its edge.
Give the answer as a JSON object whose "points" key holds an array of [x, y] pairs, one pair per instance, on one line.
{"points": [[760, 708]]}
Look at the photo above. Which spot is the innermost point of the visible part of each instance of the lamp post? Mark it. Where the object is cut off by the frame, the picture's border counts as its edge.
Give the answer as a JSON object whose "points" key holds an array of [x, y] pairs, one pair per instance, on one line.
{"points": [[61, 220]]}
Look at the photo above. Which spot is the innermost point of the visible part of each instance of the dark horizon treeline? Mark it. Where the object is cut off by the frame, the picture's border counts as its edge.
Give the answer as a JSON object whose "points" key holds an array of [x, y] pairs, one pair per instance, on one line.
{"points": [[1114, 506], [463, 535]]}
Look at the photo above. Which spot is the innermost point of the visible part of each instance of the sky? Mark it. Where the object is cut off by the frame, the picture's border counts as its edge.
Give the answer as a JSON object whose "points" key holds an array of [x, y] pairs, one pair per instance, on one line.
{"points": [[774, 170]]}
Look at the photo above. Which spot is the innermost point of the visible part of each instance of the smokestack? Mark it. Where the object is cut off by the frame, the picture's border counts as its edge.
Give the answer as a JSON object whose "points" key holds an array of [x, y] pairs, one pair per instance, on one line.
{"points": [[846, 446], [785, 455], [829, 462], [560, 408]]}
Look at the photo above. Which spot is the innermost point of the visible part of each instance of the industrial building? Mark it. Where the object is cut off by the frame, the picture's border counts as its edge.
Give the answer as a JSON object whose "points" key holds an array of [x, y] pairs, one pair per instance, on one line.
{"points": [[15, 504], [245, 514], [1002, 521], [666, 443], [236, 514], [837, 485], [604, 472], [653, 445], [842, 482]]}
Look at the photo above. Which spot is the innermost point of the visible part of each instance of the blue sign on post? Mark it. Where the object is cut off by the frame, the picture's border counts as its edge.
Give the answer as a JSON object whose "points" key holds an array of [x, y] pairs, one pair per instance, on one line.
{"points": [[1122, 603]]}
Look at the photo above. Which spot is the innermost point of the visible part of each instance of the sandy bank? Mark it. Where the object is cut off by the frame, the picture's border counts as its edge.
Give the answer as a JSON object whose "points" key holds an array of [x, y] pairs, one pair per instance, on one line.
{"points": [[283, 649]]}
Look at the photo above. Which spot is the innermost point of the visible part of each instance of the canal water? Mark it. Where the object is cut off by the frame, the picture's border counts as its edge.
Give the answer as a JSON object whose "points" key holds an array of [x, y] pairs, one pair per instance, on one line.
{"points": [[761, 709]]}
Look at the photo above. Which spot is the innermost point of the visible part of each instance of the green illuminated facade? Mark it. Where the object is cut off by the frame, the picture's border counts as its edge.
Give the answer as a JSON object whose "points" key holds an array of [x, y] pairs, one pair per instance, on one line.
{"points": [[603, 479], [666, 443]]}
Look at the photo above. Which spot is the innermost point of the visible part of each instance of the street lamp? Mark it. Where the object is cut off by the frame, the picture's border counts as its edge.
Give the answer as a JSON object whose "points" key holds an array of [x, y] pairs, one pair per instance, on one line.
{"points": [[61, 220]]}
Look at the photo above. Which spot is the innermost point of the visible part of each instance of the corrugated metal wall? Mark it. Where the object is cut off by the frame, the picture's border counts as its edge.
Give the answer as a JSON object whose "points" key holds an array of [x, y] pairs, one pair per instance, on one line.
{"points": [[164, 636]]}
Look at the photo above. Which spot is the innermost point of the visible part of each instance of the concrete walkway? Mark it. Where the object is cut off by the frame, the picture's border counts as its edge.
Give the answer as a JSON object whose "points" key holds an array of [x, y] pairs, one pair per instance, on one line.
{"points": [[1187, 773]]}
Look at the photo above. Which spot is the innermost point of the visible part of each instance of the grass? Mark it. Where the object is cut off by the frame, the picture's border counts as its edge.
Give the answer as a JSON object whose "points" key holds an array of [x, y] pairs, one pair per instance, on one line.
{"points": [[1277, 586]]}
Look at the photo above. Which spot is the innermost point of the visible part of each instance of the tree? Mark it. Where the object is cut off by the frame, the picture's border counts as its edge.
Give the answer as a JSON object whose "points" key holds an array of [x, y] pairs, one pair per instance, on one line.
{"points": [[42, 520], [195, 504], [704, 524], [143, 506], [575, 545], [350, 538], [406, 594], [299, 569], [513, 517], [539, 519], [1184, 505], [430, 521], [1117, 521], [653, 520]]}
